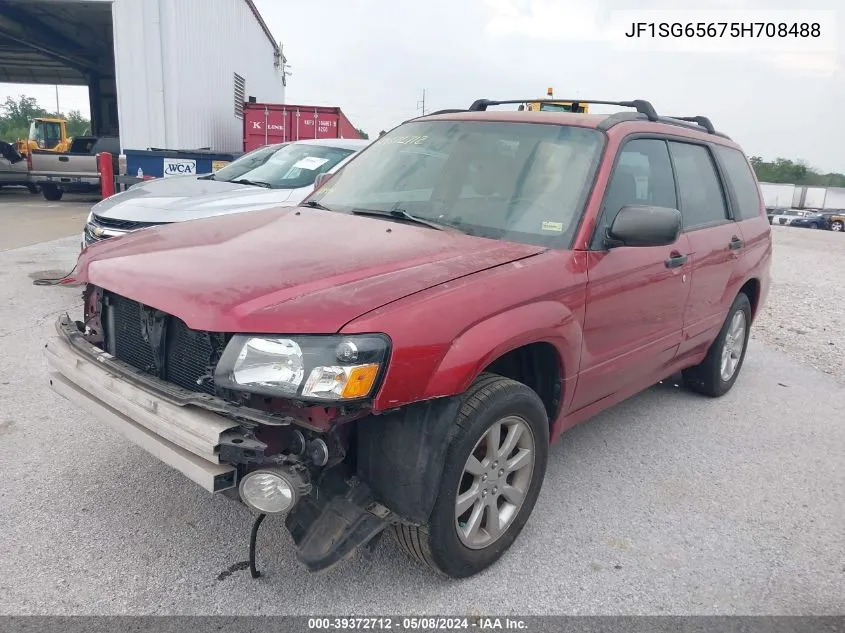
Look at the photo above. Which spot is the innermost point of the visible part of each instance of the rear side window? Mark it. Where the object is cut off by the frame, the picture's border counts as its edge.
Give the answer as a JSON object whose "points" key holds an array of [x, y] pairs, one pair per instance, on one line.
{"points": [[702, 199], [642, 176], [741, 180]]}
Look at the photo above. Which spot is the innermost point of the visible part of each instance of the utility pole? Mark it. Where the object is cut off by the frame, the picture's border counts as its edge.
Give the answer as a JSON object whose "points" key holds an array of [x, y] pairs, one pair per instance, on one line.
{"points": [[58, 111], [421, 103]]}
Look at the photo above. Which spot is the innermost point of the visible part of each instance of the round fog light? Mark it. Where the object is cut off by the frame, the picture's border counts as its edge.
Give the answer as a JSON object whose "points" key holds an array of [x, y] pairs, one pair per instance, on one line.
{"points": [[269, 491]]}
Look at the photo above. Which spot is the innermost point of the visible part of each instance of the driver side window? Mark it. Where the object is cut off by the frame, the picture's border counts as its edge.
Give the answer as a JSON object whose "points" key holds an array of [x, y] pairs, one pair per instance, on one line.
{"points": [[642, 176]]}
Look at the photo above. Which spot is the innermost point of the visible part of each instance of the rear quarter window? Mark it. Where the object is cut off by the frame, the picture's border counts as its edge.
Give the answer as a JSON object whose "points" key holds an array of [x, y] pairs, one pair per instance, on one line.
{"points": [[741, 181]]}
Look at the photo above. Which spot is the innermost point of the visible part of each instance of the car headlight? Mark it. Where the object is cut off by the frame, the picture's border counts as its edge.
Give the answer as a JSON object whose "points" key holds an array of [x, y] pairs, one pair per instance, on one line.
{"points": [[318, 368], [90, 217]]}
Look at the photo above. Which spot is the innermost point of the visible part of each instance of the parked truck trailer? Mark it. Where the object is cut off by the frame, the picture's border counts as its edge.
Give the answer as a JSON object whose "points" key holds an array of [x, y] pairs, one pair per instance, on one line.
{"points": [[777, 196], [268, 123]]}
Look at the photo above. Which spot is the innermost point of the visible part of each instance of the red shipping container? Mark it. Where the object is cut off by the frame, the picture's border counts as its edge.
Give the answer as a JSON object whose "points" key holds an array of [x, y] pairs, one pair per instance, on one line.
{"points": [[266, 123]]}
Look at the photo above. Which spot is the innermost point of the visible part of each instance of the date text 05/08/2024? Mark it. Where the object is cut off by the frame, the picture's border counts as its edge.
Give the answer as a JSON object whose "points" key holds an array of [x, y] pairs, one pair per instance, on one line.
{"points": [[724, 29], [423, 623]]}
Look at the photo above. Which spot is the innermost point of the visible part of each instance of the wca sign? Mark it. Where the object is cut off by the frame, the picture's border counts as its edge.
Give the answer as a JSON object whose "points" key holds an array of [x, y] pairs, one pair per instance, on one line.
{"points": [[179, 167]]}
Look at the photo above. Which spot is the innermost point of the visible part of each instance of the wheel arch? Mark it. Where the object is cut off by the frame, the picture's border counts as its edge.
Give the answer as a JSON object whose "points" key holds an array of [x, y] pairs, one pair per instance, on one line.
{"points": [[751, 288], [545, 333]]}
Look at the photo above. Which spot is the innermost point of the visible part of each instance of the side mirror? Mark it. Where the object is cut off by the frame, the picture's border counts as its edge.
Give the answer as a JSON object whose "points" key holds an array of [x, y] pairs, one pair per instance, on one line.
{"points": [[644, 226], [321, 180]]}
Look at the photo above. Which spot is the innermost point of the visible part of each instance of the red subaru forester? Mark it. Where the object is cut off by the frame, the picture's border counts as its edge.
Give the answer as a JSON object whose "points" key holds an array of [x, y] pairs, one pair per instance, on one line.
{"points": [[399, 351]]}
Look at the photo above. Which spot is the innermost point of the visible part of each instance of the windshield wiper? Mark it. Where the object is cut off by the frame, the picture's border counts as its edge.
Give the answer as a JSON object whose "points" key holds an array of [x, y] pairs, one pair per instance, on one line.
{"points": [[254, 183], [313, 204], [401, 214]]}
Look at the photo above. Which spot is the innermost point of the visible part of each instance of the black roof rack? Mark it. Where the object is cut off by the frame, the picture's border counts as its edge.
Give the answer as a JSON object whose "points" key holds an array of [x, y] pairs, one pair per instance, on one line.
{"points": [[644, 111], [640, 105], [447, 111], [703, 121], [694, 122]]}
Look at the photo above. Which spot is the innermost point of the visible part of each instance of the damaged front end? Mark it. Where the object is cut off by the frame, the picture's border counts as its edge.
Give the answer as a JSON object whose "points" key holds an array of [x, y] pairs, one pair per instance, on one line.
{"points": [[263, 419]]}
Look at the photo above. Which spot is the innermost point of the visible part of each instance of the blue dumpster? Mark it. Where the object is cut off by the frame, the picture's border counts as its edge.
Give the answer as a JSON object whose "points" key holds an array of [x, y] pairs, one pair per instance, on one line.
{"points": [[166, 163]]}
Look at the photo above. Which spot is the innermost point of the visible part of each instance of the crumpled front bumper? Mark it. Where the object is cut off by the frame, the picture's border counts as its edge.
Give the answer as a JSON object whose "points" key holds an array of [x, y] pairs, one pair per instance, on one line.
{"points": [[182, 435]]}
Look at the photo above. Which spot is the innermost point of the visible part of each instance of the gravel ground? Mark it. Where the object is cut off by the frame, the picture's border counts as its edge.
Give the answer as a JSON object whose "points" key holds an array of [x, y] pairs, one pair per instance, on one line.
{"points": [[669, 503], [805, 311]]}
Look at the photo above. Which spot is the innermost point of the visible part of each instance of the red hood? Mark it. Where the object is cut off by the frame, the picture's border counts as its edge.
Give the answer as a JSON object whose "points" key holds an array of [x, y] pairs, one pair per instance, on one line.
{"points": [[296, 271]]}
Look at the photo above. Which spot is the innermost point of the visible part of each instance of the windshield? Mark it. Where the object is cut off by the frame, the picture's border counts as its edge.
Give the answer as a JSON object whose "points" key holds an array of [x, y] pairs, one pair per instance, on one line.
{"points": [[523, 182], [287, 166], [46, 134]]}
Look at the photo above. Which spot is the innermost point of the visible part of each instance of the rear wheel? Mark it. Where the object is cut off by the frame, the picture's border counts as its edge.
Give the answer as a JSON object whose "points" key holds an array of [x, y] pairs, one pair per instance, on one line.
{"points": [[494, 469], [51, 192], [814, 226], [718, 372]]}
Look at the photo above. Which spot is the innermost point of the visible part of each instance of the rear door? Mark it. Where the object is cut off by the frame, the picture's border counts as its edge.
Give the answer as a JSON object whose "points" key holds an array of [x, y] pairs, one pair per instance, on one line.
{"points": [[635, 295], [715, 243], [748, 212]]}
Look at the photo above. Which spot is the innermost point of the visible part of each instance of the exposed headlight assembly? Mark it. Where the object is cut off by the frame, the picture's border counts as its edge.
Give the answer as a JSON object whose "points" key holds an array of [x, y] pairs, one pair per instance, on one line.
{"points": [[313, 368]]}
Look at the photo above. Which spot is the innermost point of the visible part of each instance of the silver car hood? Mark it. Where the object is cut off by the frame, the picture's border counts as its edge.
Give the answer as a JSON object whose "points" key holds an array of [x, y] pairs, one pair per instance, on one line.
{"points": [[189, 198]]}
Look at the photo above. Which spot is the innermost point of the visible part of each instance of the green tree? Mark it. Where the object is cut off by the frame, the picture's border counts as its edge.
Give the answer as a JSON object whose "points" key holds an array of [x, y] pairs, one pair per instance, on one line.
{"points": [[15, 115], [77, 125], [362, 134], [783, 170]]}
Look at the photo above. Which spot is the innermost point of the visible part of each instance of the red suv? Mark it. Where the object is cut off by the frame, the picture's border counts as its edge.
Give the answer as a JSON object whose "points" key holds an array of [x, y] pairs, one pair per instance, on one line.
{"points": [[399, 351]]}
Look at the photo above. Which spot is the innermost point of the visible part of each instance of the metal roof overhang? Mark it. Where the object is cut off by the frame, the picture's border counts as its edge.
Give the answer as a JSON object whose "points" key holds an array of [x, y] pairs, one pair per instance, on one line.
{"points": [[55, 41]]}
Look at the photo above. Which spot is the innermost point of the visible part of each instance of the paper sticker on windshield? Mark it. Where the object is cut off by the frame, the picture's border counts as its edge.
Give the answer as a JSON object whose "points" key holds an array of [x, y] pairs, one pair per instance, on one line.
{"points": [[557, 227], [311, 163]]}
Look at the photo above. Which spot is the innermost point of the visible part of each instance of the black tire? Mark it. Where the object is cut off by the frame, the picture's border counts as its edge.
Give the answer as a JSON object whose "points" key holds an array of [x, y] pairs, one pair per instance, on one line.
{"points": [[814, 226], [437, 545], [51, 192], [706, 377]]}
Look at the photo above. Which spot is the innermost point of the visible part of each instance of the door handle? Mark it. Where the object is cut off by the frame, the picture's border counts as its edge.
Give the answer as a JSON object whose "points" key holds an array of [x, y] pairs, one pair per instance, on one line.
{"points": [[675, 260], [736, 243], [63, 159]]}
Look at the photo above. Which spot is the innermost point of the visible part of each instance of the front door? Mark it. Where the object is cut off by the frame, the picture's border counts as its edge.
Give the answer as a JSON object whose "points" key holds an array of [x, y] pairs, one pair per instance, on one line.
{"points": [[635, 295]]}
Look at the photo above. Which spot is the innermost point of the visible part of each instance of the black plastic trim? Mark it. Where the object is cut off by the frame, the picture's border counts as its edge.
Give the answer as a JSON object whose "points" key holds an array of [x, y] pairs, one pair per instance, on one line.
{"points": [[401, 455], [620, 117]]}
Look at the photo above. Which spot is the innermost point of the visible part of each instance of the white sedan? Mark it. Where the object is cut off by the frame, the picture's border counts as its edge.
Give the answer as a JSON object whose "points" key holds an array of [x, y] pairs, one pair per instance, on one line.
{"points": [[271, 176]]}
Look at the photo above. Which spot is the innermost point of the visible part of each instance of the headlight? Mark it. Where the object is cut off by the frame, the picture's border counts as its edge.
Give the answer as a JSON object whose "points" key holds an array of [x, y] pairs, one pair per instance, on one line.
{"points": [[90, 217], [318, 368]]}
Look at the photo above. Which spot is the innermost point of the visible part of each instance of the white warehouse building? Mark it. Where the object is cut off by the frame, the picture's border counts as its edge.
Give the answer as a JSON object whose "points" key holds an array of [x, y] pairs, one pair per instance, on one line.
{"points": [[166, 74]]}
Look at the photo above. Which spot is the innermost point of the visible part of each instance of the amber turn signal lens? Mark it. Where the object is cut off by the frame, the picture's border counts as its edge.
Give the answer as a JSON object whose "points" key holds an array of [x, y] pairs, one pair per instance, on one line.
{"points": [[360, 382]]}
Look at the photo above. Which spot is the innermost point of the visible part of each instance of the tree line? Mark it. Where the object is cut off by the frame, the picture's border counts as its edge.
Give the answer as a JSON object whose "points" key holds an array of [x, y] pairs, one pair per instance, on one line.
{"points": [[782, 170], [16, 114]]}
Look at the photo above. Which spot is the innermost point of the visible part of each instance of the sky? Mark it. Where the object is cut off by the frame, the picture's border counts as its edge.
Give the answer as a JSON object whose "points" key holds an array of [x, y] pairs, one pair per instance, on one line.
{"points": [[374, 58]]}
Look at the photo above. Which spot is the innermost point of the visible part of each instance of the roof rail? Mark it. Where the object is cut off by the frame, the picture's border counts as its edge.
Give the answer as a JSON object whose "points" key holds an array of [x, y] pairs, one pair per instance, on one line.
{"points": [[703, 121], [644, 110], [694, 122], [447, 111], [640, 105]]}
